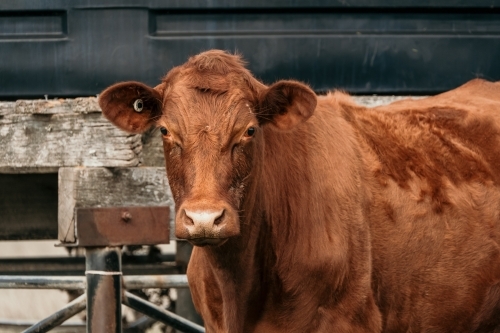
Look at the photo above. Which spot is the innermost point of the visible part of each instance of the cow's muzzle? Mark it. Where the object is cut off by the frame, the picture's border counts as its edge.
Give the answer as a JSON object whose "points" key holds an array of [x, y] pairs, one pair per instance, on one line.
{"points": [[206, 224]]}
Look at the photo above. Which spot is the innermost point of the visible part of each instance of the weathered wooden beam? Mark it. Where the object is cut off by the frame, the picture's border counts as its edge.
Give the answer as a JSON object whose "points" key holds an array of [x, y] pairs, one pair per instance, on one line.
{"points": [[109, 187], [152, 149], [6, 108], [41, 136]]}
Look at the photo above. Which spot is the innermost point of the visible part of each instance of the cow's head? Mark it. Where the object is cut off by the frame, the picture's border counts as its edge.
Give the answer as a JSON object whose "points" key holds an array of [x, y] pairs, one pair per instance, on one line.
{"points": [[211, 113]]}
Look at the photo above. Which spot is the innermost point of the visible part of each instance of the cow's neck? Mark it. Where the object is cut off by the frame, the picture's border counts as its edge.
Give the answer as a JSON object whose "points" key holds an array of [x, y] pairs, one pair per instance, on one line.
{"points": [[295, 180], [288, 197]]}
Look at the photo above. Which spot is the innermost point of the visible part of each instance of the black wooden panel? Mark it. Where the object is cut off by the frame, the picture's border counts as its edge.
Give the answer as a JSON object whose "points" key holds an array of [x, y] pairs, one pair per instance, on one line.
{"points": [[28, 206], [225, 23], [190, 4], [77, 48], [32, 25]]}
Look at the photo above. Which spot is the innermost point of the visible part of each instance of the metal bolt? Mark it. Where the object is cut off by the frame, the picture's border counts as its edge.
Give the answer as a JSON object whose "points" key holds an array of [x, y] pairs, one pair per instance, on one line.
{"points": [[126, 216]]}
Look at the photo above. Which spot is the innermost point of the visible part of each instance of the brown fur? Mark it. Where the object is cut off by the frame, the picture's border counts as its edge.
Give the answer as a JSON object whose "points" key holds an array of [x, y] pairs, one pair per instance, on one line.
{"points": [[335, 217]]}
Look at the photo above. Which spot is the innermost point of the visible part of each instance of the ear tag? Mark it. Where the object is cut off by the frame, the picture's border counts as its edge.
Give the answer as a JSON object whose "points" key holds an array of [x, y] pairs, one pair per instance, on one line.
{"points": [[138, 105]]}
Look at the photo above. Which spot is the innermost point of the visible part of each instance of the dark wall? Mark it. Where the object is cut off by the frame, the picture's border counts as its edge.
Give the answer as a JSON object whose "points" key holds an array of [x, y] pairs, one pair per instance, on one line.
{"points": [[77, 48], [28, 206]]}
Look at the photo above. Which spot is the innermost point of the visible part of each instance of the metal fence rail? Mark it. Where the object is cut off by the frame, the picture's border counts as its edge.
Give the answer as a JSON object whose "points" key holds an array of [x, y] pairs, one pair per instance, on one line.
{"points": [[79, 282], [79, 304]]}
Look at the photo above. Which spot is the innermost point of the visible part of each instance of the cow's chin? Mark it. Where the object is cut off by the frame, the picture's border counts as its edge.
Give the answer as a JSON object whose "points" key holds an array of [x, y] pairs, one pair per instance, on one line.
{"points": [[207, 241]]}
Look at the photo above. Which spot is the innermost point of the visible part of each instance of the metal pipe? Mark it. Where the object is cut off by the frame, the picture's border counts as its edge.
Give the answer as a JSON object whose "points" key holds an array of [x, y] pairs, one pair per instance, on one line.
{"points": [[42, 282], [155, 281], [104, 292], [56, 319], [80, 283], [155, 312], [131, 265]]}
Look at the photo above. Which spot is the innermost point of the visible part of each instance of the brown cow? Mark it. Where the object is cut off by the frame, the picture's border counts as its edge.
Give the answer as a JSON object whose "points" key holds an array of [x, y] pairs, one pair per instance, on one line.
{"points": [[314, 214]]}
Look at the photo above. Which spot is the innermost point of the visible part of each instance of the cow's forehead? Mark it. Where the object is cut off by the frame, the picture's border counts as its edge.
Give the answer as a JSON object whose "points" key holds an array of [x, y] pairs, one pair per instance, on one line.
{"points": [[192, 110], [210, 91]]}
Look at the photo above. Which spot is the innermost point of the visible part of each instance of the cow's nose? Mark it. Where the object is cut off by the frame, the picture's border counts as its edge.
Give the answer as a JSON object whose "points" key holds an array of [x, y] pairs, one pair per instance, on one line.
{"points": [[201, 224], [204, 219]]}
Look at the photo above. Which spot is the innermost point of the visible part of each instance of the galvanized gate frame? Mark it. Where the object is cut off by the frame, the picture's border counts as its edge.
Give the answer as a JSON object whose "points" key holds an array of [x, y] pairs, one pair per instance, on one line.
{"points": [[102, 231]]}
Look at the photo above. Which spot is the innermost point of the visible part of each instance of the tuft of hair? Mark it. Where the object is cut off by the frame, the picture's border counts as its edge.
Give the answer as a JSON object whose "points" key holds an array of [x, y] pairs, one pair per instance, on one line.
{"points": [[217, 62]]}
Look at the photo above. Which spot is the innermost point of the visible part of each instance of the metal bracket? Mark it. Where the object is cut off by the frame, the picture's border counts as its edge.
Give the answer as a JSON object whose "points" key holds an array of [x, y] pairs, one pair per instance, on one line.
{"points": [[118, 226]]}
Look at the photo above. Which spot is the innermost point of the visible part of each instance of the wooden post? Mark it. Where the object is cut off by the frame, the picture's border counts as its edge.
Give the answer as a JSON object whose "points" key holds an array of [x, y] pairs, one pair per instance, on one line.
{"points": [[105, 187]]}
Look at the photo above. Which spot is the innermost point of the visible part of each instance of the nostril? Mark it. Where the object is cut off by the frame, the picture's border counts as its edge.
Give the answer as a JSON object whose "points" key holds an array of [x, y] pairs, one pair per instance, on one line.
{"points": [[220, 218], [187, 219]]}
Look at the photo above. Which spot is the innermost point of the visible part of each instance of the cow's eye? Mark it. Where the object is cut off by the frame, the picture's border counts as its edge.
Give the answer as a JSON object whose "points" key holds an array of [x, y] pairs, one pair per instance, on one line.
{"points": [[164, 131], [250, 131]]}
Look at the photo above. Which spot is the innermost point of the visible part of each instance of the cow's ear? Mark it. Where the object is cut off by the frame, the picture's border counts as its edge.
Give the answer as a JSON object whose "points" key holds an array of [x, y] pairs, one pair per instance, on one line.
{"points": [[132, 106], [286, 104]]}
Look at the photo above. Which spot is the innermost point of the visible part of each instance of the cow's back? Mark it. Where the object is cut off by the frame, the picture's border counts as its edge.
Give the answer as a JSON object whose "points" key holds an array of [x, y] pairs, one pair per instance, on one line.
{"points": [[433, 169]]}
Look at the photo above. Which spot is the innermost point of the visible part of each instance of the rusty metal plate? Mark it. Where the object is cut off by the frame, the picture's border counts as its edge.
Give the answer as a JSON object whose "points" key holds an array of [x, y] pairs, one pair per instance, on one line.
{"points": [[122, 226]]}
